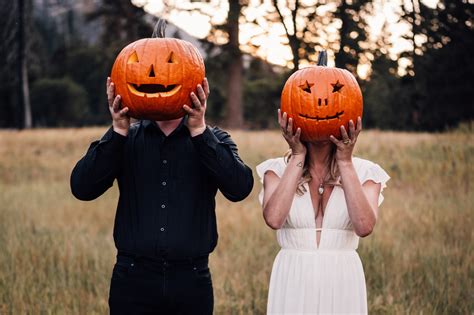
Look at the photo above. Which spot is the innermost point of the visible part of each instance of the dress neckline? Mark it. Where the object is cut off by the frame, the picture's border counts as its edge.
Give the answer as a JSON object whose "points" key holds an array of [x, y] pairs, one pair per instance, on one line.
{"points": [[325, 213]]}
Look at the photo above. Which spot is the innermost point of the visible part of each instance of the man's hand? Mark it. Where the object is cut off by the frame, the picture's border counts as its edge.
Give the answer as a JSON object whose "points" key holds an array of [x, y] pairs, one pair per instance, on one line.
{"points": [[120, 119], [196, 123]]}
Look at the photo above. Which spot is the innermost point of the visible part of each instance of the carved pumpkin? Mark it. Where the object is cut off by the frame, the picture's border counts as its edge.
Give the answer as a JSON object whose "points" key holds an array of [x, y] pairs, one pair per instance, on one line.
{"points": [[155, 76], [320, 99]]}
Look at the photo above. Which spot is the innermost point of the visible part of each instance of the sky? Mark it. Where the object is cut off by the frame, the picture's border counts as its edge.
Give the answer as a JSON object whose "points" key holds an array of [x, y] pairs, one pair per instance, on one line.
{"points": [[272, 45]]}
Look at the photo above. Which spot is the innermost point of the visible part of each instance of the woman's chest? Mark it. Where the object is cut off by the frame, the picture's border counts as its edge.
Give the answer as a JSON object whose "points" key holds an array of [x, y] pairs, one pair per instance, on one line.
{"points": [[304, 211]]}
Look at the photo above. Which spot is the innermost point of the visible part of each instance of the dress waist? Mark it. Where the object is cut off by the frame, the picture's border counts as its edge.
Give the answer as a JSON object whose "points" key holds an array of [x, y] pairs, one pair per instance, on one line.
{"points": [[305, 239]]}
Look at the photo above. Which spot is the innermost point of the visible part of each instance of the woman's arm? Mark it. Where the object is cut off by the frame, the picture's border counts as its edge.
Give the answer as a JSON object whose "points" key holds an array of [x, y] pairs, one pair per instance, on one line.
{"points": [[279, 193], [362, 200]]}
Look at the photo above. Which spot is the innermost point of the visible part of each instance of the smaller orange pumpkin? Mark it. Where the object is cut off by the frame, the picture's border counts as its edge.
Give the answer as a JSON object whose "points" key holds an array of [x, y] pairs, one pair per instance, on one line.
{"points": [[155, 76], [320, 99]]}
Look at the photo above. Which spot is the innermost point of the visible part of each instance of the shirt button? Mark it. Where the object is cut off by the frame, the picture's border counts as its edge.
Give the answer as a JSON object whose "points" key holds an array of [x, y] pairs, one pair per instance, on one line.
{"points": [[163, 183], [163, 206], [164, 161], [162, 229]]}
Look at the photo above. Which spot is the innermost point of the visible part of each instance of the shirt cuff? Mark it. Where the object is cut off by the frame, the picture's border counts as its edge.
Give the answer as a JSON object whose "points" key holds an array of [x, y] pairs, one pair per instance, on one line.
{"points": [[207, 138], [112, 140]]}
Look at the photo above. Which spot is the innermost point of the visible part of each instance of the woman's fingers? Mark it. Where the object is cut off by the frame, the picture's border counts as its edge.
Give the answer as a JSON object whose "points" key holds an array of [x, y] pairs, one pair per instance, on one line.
{"points": [[352, 133], [283, 122], [298, 134], [289, 128], [345, 137], [334, 140], [359, 126]]}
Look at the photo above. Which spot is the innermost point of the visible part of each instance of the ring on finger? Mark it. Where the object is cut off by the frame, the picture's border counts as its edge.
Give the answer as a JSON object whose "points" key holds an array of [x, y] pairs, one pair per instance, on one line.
{"points": [[347, 141]]}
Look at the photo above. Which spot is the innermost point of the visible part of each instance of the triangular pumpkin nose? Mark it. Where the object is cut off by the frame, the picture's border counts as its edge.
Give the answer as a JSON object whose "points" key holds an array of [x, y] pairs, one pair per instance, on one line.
{"points": [[151, 74]]}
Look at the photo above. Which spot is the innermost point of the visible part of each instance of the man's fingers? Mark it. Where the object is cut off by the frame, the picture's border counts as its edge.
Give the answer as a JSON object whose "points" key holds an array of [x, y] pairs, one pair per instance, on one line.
{"points": [[110, 93], [205, 85], [123, 111], [279, 117], [188, 109], [116, 103], [196, 102], [201, 94], [107, 83]]}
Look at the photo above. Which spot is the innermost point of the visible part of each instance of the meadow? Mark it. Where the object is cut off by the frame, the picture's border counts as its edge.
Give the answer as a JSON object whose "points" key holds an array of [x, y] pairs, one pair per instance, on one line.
{"points": [[57, 253]]}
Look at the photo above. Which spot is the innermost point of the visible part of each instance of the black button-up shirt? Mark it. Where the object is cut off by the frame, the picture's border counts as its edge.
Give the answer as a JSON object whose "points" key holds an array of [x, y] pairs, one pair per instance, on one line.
{"points": [[167, 186]]}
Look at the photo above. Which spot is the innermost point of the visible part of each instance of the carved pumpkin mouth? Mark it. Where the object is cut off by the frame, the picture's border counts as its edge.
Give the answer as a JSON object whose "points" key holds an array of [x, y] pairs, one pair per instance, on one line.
{"points": [[317, 118], [153, 90]]}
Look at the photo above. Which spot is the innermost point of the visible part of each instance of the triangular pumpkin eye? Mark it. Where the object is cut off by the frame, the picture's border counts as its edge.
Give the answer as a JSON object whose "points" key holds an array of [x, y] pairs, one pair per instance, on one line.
{"points": [[171, 58], [151, 73], [133, 58]]}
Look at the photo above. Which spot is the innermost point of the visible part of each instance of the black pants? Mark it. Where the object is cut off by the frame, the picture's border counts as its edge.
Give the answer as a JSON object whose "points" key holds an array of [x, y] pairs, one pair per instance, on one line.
{"points": [[144, 286]]}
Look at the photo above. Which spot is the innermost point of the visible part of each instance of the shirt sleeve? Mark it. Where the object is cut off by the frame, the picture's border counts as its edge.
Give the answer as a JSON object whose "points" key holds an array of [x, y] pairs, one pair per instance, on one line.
{"points": [[219, 154], [97, 170]]}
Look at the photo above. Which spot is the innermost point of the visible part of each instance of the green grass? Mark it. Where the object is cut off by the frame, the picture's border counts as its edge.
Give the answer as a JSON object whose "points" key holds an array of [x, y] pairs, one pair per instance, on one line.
{"points": [[57, 253]]}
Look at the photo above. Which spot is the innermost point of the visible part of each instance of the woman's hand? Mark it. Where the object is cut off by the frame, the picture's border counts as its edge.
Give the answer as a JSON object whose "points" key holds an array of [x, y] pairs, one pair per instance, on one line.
{"points": [[297, 147], [120, 119], [196, 123], [346, 145]]}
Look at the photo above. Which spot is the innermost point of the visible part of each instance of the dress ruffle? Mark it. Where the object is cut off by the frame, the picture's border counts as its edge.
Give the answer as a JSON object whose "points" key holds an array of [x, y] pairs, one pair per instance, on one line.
{"points": [[372, 171], [277, 165]]}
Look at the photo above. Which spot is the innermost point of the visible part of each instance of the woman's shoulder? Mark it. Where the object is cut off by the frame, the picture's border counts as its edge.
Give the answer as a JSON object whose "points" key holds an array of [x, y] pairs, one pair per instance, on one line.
{"points": [[277, 165], [368, 170]]}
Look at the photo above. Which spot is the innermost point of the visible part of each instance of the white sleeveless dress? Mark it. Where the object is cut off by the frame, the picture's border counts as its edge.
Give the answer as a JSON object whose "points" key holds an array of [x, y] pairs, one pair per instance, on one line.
{"points": [[325, 279]]}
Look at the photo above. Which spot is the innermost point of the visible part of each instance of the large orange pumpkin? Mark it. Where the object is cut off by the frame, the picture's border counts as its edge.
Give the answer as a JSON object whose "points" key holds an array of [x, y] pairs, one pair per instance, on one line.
{"points": [[320, 99], [155, 76]]}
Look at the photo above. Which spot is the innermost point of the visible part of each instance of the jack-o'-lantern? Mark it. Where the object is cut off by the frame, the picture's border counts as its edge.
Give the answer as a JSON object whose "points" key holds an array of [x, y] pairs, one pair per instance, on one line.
{"points": [[320, 99], [155, 76]]}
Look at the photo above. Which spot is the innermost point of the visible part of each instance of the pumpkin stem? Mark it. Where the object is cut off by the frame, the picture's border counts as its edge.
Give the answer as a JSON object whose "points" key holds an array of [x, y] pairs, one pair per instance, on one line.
{"points": [[323, 58], [159, 29]]}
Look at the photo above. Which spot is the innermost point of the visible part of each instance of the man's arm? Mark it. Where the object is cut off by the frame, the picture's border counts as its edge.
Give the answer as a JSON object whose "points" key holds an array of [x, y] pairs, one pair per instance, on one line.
{"points": [[97, 170], [217, 150], [220, 156]]}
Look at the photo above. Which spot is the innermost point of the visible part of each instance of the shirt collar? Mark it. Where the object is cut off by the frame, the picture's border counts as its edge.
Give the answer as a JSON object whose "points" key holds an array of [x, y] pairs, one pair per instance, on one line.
{"points": [[152, 124]]}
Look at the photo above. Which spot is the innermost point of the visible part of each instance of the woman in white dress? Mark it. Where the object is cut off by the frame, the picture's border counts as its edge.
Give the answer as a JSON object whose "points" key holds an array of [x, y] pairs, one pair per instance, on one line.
{"points": [[320, 199]]}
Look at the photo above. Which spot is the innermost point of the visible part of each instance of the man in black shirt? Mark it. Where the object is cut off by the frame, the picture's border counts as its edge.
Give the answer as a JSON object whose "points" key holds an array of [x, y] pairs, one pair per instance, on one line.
{"points": [[168, 174]]}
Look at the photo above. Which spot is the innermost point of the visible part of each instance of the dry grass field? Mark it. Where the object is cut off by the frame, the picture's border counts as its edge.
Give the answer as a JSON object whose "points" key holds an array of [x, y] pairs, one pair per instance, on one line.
{"points": [[57, 253]]}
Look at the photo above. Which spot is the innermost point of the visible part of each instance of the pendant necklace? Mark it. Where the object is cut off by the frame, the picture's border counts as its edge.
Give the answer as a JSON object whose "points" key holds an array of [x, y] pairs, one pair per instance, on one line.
{"points": [[321, 189]]}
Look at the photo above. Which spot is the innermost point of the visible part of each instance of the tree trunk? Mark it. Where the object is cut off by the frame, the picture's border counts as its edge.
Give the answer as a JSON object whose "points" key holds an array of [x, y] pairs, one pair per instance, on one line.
{"points": [[24, 91], [235, 115]]}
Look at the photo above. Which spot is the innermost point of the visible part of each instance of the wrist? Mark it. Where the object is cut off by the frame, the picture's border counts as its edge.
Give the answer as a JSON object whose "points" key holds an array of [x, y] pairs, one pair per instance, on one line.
{"points": [[344, 163], [196, 131], [297, 159], [121, 131]]}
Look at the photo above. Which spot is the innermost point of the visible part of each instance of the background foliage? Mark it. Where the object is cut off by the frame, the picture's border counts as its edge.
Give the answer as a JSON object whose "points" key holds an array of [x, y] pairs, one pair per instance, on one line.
{"points": [[434, 92]]}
